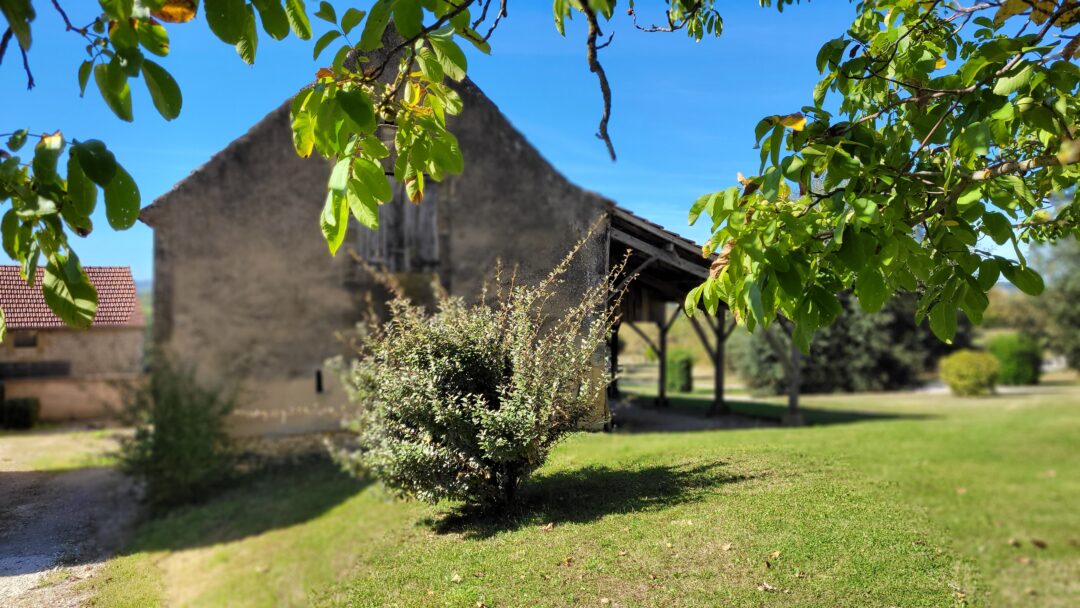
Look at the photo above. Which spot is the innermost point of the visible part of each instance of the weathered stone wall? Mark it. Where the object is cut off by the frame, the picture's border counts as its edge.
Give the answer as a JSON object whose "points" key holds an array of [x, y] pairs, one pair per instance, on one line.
{"points": [[102, 359], [246, 290]]}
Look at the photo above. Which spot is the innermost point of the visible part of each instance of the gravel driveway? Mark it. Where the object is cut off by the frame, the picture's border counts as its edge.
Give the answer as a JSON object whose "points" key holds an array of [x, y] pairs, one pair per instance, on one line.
{"points": [[58, 526]]}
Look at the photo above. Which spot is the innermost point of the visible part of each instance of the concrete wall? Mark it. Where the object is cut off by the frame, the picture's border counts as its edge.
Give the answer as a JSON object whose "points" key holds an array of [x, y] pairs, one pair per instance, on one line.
{"points": [[102, 359], [246, 290]]}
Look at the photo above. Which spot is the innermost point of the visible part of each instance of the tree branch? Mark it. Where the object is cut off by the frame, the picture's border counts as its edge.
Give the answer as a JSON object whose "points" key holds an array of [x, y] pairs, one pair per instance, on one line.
{"points": [[596, 68]]}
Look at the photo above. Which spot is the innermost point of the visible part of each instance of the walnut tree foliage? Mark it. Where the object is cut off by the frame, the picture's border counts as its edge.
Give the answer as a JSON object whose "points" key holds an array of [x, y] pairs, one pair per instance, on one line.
{"points": [[938, 128]]}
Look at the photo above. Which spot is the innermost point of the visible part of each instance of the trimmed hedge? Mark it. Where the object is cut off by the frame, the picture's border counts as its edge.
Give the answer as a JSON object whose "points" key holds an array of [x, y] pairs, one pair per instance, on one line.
{"points": [[970, 373], [19, 413], [680, 371], [1020, 357]]}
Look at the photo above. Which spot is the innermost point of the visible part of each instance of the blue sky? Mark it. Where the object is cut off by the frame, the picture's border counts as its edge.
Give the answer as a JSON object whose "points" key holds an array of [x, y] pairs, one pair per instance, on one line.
{"points": [[682, 123]]}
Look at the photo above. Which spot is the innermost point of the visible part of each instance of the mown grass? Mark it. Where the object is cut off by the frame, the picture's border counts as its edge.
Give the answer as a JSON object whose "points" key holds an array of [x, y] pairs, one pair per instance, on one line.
{"points": [[916, 507]]}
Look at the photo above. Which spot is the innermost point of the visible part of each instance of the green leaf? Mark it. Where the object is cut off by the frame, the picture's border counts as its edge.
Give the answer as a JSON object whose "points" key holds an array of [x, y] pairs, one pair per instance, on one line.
{"points": [[17, 139], [373, 178], [339, 176], [324, 41], [3, 327], [18, 14], [81, 189], [118, 9], [376, 23], [326, 12], [46, 154], [351, 19], [334, 220], [68, 291], [943, 321], [274, 20], [1007, 85], [408, 18], [1025, 279], [226, 18], [96, 161], [357, 106], [450, 56], [364, 207], [153, 37], [997, 226], [248, 44], [112, 82], [871, 289], [122, 200], [988, 274], [85, 69], [9, 227], [303, 129], [164, 91], [429, 64], [298, 19]]}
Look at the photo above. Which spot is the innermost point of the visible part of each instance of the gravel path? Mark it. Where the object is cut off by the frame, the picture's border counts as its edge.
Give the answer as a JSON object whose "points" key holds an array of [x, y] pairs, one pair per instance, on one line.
{"points": [[56, 527]]}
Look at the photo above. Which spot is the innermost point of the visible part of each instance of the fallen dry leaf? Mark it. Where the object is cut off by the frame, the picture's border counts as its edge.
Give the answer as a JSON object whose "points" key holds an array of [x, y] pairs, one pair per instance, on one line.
{"points": [[478, 574], [547, 527], [960, 595], [1038, 543], [623, 553], [1031, 591], [566, 562], [1013, 542], [766, 587], [669, 545], [1023, 559], [604, 601], [481, 605], [726, 547], [800, 574], [456, 578], [774, 554], [961, 491]]}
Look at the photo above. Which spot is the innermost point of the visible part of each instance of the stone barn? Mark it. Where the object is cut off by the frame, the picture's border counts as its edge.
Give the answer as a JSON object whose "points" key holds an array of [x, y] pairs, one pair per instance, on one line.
{"points": [[246, 291], [73, 373]]}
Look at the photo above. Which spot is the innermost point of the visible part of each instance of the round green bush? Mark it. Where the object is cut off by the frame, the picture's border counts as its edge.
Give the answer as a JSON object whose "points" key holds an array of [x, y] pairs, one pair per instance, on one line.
{"points": [[680, 371], [463, 403], [1020, 357], [970, 373]]}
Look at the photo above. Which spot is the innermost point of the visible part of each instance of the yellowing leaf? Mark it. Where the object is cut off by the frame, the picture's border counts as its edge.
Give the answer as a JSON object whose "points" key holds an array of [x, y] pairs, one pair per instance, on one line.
{"points": [[796, 121], [324, 73], [940, 63], [176, 11]]}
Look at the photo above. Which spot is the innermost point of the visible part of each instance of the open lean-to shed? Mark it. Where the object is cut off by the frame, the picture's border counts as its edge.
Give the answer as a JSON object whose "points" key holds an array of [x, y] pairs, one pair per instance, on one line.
{"points": [[245, 290]]}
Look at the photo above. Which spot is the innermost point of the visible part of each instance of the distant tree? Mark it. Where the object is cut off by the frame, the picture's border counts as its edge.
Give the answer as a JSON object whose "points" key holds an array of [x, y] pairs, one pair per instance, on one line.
{"points": [[955, 121], [1061, 300], [1011, 309], [860, 351]]}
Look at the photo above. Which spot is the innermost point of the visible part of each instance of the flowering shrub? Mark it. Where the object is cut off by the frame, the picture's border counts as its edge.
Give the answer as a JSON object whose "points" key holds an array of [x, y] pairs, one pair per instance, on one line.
{"points": [[464, 403]]}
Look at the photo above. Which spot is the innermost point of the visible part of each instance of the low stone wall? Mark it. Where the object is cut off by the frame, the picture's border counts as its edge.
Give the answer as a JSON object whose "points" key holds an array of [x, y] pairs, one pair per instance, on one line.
{"points": [[274, 450]]}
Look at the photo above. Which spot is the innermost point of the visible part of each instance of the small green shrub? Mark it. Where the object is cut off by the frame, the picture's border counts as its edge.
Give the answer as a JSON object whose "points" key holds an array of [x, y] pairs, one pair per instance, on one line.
{"points": [[464, 403], [1020, 357], [680, 371], [19, 413], [180, 449], [970, 373]]}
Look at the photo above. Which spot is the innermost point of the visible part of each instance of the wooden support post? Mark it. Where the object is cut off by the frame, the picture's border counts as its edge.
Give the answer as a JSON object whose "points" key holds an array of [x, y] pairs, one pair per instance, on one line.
{"points": [[661, 390], [664, 325], [613, 388], [719, 405]]}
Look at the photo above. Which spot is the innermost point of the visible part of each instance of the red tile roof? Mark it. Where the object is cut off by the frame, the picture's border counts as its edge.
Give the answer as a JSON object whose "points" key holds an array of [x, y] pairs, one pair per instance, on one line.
{"points": [[24, 307]]}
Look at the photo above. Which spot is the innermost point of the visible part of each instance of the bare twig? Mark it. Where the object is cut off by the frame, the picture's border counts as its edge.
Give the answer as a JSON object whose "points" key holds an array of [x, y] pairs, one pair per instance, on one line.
{"points": [[596, 68]]}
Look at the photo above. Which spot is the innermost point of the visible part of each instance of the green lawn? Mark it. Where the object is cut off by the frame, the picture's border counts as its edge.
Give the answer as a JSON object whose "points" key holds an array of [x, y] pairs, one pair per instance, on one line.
{"points": [[919, 506]]}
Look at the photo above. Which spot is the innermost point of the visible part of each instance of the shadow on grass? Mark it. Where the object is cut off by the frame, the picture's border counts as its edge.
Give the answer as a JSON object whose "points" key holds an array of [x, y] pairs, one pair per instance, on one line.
{"points": [[257, 503], [588, 494], [694, 405]]}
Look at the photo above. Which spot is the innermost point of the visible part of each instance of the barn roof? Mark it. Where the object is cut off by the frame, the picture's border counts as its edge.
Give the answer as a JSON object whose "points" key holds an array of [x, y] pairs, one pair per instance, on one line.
{"points": [[25, 308]]}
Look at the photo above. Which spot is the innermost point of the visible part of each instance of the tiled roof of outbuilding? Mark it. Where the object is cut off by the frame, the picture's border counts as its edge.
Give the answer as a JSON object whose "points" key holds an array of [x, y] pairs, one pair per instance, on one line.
{"points": [[25, 308]]}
